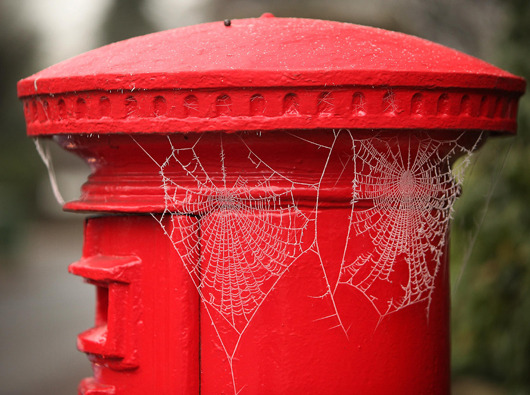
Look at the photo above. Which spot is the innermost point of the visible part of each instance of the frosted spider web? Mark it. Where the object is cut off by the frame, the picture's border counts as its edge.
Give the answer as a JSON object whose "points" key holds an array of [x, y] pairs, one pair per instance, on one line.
{"points": [[411, 191], [251, 231]]}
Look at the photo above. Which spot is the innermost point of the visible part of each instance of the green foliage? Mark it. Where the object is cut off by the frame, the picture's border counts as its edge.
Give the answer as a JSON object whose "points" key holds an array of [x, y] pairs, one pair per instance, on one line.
{"points": [[491, 306]]}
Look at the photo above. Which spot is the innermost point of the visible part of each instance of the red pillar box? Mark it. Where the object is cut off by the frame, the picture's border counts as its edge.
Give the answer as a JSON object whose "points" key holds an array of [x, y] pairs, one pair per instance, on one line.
{"points": [[272, 200]]}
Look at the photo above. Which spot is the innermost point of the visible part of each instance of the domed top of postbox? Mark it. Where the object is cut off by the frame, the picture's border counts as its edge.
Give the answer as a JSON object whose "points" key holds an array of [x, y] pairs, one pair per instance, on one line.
{"points": [[270, 73]]}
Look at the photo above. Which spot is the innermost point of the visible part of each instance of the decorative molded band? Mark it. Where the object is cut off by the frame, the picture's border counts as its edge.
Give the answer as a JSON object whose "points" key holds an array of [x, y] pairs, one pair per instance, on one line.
{"points": [[244, 109]]}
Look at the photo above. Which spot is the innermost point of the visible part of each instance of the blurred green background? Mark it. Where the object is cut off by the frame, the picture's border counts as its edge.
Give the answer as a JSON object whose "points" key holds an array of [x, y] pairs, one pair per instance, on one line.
{"points": [[41, 306]]}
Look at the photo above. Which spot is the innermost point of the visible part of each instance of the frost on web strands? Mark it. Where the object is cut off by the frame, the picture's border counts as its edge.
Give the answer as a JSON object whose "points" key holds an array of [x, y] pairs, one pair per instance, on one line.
{"points": [[251, 228], [403, 194], [253, 224], [249, 231]]}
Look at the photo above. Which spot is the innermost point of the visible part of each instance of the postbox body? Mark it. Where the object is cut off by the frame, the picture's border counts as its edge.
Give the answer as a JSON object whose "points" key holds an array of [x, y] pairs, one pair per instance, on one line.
{"points": [[273, 200]]}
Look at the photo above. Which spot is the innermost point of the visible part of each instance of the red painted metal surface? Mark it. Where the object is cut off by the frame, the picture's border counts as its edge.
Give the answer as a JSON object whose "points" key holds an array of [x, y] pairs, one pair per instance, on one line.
{"points": [[276, 195], [249, 75], [146, 332]]}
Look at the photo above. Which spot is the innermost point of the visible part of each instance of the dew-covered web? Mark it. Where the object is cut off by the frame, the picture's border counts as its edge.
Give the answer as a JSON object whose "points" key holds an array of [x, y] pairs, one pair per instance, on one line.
{"points": [[250, 229], [403, 194], [249, 233], [251, 225]]}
